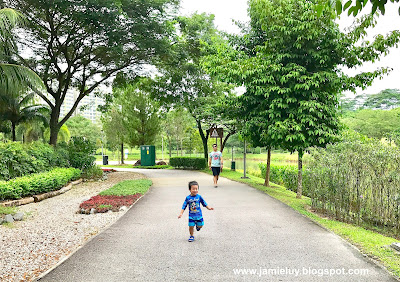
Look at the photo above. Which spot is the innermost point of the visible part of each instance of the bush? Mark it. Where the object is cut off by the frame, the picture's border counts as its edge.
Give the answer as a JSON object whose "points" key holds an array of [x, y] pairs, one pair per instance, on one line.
{"points": [[80, 153], [188, 163], [286, 175], [357, 181], [37, 183], [94, 172], [18, 159]]}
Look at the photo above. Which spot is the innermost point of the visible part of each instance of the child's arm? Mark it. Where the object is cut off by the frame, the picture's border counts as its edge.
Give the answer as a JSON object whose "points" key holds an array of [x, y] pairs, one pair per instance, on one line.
{"points": [[180, 215], [209, 208]]}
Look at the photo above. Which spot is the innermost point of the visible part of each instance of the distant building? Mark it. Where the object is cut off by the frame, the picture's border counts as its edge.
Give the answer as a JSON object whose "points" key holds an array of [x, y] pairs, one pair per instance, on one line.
{"points": [[87, 106]]}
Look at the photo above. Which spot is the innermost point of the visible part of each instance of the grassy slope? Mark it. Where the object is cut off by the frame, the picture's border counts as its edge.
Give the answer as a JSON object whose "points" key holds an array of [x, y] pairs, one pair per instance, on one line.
{"points": [[370, 243]]}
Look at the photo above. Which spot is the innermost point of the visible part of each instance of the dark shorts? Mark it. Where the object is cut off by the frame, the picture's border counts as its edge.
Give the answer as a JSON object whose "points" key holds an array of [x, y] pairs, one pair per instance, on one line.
{"points": [[216, 170], [196, 221]]}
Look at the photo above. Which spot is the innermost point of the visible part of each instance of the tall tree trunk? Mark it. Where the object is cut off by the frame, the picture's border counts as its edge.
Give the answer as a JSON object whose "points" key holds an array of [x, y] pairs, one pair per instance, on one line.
{"points": [[54, 126], [300, 176], [204, 139], [122, 153], [170, 147], [13, 125], [268, 170]]}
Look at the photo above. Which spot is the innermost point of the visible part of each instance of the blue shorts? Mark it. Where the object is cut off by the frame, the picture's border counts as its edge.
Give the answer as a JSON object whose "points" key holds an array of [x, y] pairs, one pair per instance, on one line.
{"points": [[216, 170], [196, 221]]}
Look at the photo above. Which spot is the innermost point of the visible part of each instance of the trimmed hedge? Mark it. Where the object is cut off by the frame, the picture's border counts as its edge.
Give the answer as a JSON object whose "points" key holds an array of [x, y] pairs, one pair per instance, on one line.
{"points": [[285, 175], [188, 163], [37, 183], [18, 159]]}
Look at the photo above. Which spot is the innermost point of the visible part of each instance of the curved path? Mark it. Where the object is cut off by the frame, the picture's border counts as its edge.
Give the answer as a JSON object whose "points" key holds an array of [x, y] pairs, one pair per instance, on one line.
{"points": [[249, 233]]}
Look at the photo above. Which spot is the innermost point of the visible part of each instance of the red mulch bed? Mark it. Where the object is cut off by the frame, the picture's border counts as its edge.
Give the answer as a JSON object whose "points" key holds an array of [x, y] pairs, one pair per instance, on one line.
{"points": [[115, 201]]}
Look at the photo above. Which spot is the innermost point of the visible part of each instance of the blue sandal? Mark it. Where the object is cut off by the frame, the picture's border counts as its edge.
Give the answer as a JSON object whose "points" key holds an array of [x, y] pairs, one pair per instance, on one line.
{"points": [[191, 239]]}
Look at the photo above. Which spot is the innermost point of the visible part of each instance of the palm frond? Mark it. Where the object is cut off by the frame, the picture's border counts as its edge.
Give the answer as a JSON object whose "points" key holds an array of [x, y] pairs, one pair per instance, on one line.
{"points": [[9, 18], [14, 78]]}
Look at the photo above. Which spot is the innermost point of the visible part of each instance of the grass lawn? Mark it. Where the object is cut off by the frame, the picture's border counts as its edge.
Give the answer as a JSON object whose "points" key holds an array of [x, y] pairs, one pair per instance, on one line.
{"points": [[128, 187], [371, 243]]}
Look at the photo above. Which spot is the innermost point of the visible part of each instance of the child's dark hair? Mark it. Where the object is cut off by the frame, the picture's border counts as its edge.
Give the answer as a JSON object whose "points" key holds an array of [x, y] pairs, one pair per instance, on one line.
{"points": [[191, 183]]}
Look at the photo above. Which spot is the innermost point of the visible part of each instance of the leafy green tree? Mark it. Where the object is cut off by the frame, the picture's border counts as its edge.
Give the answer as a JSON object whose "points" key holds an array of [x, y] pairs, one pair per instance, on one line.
{"points": [[115, 129], [373, 123], [81, 44], [13, 77], [354, 7], [292, 74], [183, 82], [384, 100], [83, 127], [18, 109], [141, 114], [134, 115]]}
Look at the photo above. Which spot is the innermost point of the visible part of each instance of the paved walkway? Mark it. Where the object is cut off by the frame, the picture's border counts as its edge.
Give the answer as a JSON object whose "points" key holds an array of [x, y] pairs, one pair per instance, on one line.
{"points": [[247, 231]]}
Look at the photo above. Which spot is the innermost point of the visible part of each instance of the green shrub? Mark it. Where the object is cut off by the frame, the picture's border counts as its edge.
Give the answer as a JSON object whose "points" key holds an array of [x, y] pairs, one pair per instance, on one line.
{"points": [[188, 163], [93, 172], [286, 175], [357, 181], [81, 153], [37, 183], [128, 187]]}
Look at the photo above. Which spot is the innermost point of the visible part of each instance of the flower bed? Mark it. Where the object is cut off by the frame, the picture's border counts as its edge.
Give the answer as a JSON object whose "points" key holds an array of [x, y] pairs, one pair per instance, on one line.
{"points": [[123, 194], [105, 203]]}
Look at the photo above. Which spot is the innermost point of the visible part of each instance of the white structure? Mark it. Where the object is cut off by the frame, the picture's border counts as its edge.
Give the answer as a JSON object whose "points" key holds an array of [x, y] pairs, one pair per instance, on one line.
{"points": [[87, 106]]}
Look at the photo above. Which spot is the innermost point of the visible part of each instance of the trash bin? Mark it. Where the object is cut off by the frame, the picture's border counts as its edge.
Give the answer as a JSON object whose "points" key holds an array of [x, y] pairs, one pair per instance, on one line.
{"points": [[233, 165], [105, 160], [147, 155]]}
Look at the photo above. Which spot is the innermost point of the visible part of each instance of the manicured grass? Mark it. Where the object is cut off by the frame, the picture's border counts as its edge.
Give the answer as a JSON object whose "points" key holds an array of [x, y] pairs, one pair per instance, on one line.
{"points": [[7, 210], [128, 187], [371, 243]]}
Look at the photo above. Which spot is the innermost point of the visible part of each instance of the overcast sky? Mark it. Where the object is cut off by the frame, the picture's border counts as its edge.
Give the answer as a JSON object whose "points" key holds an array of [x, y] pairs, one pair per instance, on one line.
{"points": [[226, 10]]}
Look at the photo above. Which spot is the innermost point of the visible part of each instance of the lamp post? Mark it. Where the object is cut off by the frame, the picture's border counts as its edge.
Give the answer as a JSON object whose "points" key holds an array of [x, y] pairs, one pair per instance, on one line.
{"points": [[244, 162], [102, 141]]}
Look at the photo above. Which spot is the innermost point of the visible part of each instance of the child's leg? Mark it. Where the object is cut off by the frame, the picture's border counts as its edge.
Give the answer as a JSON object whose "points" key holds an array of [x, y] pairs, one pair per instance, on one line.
{"points": [[215, 179], [191, 230]]}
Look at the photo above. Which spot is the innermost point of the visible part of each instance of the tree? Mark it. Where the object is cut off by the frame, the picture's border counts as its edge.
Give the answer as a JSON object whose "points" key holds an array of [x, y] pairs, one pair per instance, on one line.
{"points": [[133, 114], [354, 7], [292, 75], [384, 100], [17, 108], [83, 127], [183, 82], [140, 113], [13, 77], [373, 123], [81, 44], [115, 129]]}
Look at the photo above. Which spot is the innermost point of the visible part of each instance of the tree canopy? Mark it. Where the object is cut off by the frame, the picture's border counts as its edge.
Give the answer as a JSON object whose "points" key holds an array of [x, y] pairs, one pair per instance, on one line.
{"points": [[81, 44], [289, 58]]}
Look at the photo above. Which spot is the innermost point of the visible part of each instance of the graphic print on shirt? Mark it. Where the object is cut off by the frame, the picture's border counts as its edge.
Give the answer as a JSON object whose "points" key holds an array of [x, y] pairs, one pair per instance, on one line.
{"points": [[193, 207]]}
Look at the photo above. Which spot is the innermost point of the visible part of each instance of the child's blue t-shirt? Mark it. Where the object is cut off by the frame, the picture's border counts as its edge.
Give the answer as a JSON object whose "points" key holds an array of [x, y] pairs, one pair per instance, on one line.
{"points": [[194, 205]]}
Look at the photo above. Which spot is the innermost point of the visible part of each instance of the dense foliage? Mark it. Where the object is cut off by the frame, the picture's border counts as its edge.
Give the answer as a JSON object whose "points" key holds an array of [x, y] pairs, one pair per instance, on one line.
{"points": [[81, 44], [356, 181], [37, 183], [18, 159], [285, 175], [188, 162], [81, 153]]}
